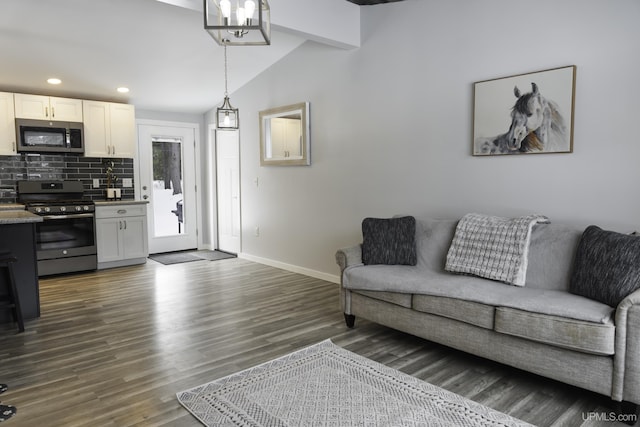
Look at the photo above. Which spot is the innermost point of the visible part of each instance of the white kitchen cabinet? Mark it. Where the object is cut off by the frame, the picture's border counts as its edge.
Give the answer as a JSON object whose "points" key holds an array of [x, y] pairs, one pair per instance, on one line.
{"points": [[7, 125], [109, 129], [41, 107], [121, 234]]}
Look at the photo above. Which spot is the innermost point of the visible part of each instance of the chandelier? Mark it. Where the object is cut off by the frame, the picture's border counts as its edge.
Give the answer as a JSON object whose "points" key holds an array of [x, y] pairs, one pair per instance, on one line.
{"points": [[237, 26], [226, 115]]}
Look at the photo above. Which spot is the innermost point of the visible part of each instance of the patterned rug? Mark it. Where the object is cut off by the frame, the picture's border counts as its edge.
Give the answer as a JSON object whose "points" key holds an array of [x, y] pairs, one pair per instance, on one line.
{"points": [[326, 385]]}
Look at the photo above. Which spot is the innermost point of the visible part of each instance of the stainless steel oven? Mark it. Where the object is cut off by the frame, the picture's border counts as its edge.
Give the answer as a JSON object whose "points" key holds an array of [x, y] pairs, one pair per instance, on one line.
{"points": [[66, 239]]}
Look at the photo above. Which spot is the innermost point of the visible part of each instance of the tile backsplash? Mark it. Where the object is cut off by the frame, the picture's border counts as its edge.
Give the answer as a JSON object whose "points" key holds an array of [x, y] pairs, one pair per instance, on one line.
{"points": [[28, 166]]}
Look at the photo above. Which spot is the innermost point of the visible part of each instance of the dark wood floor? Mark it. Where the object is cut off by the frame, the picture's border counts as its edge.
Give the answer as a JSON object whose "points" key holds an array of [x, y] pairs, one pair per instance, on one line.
{"points": [[112, 348]]}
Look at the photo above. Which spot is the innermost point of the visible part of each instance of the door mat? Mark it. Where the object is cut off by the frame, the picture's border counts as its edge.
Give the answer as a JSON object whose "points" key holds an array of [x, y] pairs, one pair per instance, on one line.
{"points": [[213, 255], [169, 258]]}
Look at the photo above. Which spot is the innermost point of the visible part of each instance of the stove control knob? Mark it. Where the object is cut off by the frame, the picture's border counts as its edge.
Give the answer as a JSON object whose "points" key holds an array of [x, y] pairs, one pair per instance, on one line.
{"points": [[78, 208], [38, 210], [63, 208], [85, 207], [47, 209]]}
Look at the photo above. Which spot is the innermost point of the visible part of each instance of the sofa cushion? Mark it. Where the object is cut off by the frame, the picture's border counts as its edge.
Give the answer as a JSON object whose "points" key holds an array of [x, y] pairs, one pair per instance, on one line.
{"points": [[587, 337], [414, 280], [607, 266], [433, 238], [470, 312], [389, 241], [551, 253], [403, 300], [551, 250]]}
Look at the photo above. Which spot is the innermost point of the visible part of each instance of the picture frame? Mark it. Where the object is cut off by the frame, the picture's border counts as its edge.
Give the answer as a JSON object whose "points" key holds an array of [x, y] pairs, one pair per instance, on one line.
{"points": [[528, 113]]}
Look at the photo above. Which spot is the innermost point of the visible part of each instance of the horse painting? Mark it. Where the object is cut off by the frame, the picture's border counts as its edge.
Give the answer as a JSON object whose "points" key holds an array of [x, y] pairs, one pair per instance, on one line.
{"points": [[536, 126], [500, 144]]}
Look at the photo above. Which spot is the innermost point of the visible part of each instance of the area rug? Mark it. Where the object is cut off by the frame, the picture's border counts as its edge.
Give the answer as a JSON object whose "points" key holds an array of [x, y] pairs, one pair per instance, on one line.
{"points": [[326, 385], [189, 256]]}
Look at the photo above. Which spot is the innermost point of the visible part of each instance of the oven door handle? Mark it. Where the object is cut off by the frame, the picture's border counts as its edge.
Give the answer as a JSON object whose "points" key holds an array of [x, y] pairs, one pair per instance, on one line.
{"points": [[70, 216]]}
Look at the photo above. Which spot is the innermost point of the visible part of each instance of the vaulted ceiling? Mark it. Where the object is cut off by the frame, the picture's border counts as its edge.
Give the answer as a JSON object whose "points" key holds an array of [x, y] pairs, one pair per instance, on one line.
{"points": [[157, 48]]}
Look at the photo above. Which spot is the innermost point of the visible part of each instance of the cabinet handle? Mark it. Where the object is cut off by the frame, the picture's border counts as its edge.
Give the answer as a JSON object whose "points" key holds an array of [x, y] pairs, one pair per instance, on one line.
{"points": [[46, 111], [119, 225], [125, 224], [122, 211], [53, 112]]}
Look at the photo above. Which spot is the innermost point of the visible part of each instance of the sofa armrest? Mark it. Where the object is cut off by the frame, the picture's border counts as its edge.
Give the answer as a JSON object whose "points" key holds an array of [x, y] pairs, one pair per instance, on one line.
{"points": [[347, 257], [626, 367]]}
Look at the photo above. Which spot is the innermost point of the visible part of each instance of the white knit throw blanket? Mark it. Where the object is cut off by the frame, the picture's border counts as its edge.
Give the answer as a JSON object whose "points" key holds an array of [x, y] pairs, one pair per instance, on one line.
{"points": [[492, 247]]}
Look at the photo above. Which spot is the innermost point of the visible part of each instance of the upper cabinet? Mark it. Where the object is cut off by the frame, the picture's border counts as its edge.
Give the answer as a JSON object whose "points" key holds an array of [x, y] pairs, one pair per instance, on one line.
{"points": [[47, 108], [109, 129], [7, 125]]}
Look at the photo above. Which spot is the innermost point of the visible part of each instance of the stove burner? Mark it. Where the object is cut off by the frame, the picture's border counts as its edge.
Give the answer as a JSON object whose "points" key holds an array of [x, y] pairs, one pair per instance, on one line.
{"points": [[61, 208], [54, 197]]}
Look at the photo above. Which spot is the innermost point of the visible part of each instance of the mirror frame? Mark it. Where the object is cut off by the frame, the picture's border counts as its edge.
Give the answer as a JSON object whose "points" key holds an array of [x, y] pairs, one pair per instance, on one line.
{"points": [[287, 110]]}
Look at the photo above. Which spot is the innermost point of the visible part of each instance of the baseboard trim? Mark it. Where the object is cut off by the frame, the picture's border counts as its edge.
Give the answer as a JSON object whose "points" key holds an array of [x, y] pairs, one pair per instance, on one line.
{"points": [[333, 278]]}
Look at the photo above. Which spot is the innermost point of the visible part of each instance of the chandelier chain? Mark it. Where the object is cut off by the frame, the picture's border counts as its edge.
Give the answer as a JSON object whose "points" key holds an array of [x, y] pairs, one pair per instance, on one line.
{"points": [[225, 70]]}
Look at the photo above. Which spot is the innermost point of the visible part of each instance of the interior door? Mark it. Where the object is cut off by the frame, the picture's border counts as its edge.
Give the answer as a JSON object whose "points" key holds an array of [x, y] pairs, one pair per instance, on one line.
{"points": [[228, 186], [167, 180]]}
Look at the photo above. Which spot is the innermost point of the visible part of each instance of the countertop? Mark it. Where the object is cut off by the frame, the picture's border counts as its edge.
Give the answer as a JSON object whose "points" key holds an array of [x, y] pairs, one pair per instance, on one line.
{"points": [[11, 207], [18, 217], [119, 202]]}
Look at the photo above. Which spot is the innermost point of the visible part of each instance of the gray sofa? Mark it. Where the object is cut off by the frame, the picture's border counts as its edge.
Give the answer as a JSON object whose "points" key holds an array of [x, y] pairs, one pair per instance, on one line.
{"points": [[540, 327]]}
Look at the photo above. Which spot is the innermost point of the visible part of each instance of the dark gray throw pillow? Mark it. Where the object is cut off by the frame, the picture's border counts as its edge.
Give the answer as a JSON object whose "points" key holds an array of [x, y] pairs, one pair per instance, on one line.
{"points": [[389, 241], [607, 266]]}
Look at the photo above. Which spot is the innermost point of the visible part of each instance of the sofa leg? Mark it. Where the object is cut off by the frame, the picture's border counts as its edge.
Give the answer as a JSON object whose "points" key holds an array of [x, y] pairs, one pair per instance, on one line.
{"points": [[626, 412], [350, 320]]}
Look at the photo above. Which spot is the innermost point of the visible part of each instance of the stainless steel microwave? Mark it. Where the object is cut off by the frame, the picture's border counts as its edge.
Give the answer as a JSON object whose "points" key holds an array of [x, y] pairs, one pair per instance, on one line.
{"points": [[45, 136]]}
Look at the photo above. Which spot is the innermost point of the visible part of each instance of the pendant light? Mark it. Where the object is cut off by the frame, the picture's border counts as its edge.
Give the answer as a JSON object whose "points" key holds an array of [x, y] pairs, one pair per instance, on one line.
{"points": [[238, 27], [226, 115]]}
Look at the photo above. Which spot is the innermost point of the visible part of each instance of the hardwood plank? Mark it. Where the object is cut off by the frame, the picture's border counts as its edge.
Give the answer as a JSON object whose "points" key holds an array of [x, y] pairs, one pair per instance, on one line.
{"points": [[114, 346]]}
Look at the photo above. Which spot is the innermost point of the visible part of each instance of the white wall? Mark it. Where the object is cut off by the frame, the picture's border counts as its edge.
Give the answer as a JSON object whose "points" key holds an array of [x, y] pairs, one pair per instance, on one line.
{"points": [[392, 124]]}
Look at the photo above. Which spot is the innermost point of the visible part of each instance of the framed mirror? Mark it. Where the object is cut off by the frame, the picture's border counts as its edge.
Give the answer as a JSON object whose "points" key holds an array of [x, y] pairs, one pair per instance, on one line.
{"points": [[284, 136]]}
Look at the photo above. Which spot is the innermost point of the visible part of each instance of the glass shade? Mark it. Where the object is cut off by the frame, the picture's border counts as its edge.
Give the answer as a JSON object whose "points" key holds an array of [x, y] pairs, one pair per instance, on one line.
{"points": [[221, 22], [226, 116]]}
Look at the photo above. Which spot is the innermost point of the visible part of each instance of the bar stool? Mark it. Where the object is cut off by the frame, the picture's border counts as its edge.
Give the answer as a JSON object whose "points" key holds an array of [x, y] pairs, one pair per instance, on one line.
{"points": [[11, 300]]}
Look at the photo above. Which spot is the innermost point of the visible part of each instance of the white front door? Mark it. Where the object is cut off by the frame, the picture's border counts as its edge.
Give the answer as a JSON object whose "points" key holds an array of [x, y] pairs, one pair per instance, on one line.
{"points": [[168, 181], [228, 185]]}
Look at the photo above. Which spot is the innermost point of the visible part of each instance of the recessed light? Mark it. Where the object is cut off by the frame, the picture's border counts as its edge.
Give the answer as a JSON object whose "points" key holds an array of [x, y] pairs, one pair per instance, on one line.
{"points": [[123, 89], [54, 81]]}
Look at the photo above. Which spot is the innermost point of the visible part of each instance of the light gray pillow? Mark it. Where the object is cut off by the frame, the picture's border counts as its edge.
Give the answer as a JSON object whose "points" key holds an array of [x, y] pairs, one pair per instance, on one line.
{"points": [[607, 266]]}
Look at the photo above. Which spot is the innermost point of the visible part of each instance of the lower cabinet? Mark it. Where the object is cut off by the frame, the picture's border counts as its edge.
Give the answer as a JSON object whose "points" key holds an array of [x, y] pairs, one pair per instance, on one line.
{"points": [[121, 234]]}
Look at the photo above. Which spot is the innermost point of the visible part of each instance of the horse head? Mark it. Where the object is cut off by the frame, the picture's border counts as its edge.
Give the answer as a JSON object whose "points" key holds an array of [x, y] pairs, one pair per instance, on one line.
{"points": [[527, 115]]}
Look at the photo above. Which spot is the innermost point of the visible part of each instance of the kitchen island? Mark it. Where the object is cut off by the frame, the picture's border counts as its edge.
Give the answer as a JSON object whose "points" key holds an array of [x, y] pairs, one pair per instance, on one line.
{"points": [[18, 236]]}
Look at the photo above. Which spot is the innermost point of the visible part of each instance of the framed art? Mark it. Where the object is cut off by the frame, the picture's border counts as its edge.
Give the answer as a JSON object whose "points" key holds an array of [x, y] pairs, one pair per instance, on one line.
{"points": [[525, 114]]}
